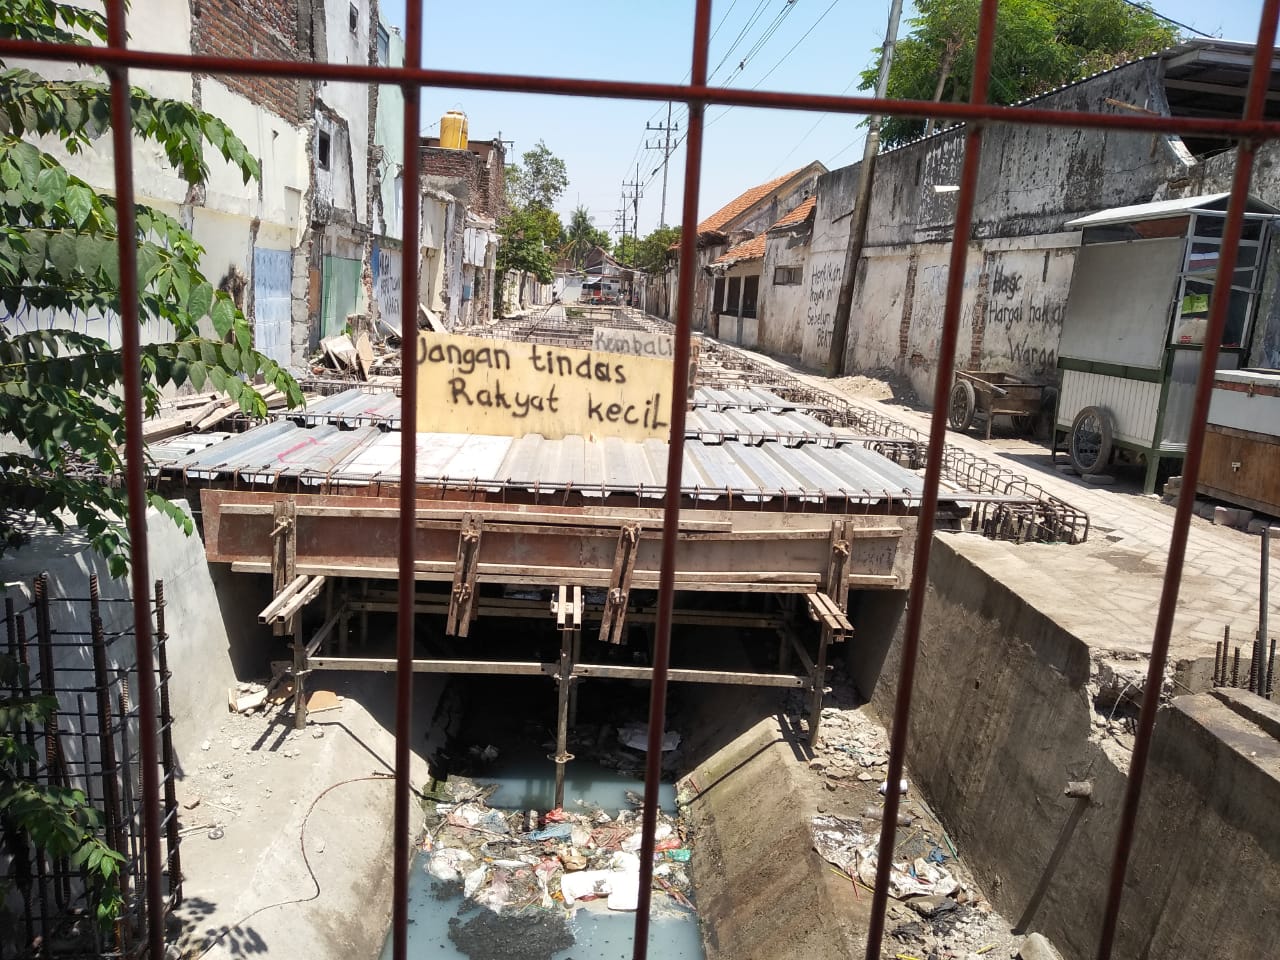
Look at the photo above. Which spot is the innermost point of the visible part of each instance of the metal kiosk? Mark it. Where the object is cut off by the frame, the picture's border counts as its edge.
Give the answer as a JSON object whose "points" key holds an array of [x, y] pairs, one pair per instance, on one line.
{"points": [[1129, 353]]}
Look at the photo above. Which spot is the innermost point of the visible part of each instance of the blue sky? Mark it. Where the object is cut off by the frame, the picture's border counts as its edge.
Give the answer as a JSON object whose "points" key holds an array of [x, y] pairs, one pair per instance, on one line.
{"points": [[602, 141]]}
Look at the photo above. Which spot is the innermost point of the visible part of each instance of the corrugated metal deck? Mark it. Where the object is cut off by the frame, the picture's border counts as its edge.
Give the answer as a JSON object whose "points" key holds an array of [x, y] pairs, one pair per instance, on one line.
{"points": [[811, 472]]}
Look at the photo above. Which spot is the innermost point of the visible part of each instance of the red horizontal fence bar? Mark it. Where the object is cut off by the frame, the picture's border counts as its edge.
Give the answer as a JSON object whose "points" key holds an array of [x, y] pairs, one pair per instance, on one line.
{"points": [[633, 90], [117, 58], [135, 480], [671, 500], [1255, 103], [407, 527], [946, 360]]}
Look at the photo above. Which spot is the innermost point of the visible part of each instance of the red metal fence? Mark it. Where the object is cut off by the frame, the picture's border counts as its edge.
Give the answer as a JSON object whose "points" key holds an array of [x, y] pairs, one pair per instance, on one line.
{"points": [[1250, 130]]}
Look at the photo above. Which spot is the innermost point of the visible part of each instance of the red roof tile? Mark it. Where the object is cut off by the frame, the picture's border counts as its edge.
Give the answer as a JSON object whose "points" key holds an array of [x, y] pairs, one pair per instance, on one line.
{"points": [[752, 249], [799, 215], [742, 203]]}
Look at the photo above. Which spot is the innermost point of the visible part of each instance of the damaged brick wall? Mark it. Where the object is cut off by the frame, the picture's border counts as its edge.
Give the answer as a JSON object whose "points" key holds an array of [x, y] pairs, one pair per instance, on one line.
{"points": [[265, 30]]}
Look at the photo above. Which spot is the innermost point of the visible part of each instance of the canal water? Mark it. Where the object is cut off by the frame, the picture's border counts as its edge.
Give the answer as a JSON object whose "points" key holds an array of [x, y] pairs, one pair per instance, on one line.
{"points": [[445, 925]]}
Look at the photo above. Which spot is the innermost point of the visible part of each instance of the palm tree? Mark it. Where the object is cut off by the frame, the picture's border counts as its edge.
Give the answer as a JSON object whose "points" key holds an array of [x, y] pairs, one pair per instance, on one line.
{"points": [[582, 236]]}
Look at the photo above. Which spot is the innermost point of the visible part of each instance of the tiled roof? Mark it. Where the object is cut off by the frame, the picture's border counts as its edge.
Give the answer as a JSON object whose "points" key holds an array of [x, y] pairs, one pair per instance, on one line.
{"points": [[742, 203], [752, 249], [799, 215]]}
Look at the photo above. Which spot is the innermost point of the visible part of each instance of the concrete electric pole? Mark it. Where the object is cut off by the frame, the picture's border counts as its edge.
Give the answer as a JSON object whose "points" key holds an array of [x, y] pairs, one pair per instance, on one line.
{"points": [[858, 222], [664, 145], [637, 191]]}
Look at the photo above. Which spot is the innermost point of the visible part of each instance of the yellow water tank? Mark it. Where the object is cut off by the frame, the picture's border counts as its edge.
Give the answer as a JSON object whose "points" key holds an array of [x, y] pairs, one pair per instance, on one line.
{"points": [[453, 130]]}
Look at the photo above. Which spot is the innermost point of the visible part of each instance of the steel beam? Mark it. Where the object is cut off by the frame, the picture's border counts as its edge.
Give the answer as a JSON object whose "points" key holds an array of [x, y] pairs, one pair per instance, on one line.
{"points": [[718, 552]]}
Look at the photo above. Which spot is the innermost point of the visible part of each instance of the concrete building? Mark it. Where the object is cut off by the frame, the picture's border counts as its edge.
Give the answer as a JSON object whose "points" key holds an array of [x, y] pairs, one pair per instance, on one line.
{"points": [[388, 184], [741, 219], [745, 277], [293, 249], [462, 202], [1032, 181]]}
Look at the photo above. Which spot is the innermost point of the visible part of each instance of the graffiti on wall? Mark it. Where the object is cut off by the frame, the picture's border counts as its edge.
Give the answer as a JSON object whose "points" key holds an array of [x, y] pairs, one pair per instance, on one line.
{"points": [[1025, 314], [386, 284], [820, 307]]}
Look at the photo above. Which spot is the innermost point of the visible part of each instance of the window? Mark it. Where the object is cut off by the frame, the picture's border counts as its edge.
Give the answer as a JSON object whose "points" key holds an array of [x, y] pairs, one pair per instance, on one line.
{"points": [[384, 47], [353, 17], [750, 293], [717, 298], [731, 301], [1199, 276], [322, 150], [787, 275]]}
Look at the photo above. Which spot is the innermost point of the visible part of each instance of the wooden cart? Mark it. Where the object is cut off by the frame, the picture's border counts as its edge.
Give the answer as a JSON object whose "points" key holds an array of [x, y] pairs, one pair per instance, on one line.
{"points": [[988, 394]]}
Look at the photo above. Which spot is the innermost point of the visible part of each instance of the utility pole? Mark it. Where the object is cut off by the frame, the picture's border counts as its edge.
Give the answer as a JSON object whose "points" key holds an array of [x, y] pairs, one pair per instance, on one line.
{"points": [[858, 222], [664, 145], [637, 191]]}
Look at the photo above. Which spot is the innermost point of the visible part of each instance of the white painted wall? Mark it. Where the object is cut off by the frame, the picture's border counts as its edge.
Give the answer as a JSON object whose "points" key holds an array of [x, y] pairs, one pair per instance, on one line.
{"points": [[782, 305], [349, 100]]}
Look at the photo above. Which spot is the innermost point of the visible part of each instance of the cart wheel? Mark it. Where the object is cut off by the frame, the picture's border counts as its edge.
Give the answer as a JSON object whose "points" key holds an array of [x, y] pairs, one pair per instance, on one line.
{"points": [[1090, 442], [964, 403]]}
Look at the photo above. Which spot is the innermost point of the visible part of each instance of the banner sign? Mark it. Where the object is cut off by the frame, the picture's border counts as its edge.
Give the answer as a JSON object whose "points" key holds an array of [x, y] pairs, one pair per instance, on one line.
{"points": [[636, 343], [504, 388]]}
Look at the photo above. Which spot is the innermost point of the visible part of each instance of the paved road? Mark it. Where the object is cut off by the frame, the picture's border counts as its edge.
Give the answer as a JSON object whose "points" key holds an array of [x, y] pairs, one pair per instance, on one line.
{"points": [[1107, 590]]}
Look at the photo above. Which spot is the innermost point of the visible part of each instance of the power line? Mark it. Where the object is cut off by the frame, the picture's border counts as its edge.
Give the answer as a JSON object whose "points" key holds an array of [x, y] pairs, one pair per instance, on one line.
{"points": [[808, 133], [738, 39], [797, 43], [1156, 13]]}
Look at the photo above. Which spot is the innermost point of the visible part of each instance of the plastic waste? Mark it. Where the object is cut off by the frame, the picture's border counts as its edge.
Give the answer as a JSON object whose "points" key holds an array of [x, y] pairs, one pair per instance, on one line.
{"points": [[875, 813], [624, 862], [474, 880], [446, 863], [636, 736], [680, 855], [902, 788], [557, 831], [585, 885], [624, 893]]}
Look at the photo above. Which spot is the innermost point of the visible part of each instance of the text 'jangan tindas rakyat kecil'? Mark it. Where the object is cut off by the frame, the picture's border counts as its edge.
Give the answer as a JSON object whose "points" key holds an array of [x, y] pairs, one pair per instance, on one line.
{"points": [[503, 388]]}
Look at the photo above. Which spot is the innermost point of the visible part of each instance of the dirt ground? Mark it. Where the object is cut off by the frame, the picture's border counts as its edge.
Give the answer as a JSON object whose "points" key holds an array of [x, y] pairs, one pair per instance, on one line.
{"points": [[883, 385], [286, 834]]}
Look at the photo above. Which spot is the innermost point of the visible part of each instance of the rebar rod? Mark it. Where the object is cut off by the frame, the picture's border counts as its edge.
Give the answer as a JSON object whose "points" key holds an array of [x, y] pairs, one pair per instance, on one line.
{"points": [[167, 756]]}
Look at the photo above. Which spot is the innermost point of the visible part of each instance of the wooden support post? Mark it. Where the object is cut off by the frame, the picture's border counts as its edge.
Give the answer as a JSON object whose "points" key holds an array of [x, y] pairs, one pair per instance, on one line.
{"points": [[462, 598], [819, 685], [837, 581], [613, 620]]}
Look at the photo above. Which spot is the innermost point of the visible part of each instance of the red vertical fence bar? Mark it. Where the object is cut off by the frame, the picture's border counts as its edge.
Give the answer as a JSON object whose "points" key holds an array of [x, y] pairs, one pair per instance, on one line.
{"points": [[1255, 104], [135, 477], [117, 59], [932, 480], [675, 465], [408, 482]]}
